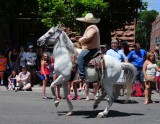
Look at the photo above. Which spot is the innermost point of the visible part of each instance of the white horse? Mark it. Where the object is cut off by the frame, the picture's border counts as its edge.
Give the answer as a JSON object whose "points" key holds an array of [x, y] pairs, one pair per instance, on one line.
{"points": [[63, 49]]}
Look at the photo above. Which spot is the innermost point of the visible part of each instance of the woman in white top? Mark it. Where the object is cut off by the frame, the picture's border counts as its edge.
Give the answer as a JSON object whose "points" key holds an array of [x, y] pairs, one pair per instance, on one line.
{"points": [[149, 70]]}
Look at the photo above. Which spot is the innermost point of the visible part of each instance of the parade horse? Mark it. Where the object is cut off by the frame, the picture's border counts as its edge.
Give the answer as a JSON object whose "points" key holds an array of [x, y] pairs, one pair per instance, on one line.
{"points": [[63, 50]]}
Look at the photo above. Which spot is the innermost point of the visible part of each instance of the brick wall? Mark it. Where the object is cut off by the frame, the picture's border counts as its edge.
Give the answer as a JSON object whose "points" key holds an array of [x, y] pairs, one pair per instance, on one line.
{"points": [[155, 35], [125, 34]]}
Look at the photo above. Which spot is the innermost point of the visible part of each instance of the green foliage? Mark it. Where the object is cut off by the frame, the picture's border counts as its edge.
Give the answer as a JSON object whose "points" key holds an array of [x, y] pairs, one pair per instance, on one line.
{"points": [[158, 63], [144, 26], [53, 12]]}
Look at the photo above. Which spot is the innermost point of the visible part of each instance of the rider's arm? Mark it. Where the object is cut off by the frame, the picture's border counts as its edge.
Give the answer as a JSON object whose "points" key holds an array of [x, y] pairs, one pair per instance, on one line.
{"points": [[87, 35]]}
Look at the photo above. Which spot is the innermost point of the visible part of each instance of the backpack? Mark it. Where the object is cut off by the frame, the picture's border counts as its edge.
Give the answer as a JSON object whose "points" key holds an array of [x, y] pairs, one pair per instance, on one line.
{"points": [[137, 89]]}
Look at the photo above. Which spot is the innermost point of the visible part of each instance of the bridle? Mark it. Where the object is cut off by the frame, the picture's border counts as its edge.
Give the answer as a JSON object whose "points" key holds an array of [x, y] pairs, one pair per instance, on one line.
{"points": [[50, 37]]}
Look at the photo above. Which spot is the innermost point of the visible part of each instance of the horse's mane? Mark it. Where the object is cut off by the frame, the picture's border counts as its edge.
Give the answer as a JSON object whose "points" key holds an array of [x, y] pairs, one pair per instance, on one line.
{"points": [[68, 43]]}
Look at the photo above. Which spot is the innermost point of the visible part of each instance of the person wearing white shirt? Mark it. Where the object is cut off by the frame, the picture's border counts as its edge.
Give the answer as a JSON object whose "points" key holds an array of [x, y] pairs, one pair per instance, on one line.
{"points": [[31, 58], [23, 80]]}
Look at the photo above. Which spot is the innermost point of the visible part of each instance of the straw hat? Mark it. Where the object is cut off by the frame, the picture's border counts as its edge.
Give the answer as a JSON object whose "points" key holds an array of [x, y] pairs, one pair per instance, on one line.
{"points": [[89, 18]]}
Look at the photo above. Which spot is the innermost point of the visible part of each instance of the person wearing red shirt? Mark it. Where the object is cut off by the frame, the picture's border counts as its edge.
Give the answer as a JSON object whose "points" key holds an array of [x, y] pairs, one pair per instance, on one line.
{"points": [[3, 66], [44, 71]]}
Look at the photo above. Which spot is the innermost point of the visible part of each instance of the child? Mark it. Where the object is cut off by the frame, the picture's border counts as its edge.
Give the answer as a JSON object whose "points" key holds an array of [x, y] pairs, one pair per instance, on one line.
{"points": [[12, 81]]}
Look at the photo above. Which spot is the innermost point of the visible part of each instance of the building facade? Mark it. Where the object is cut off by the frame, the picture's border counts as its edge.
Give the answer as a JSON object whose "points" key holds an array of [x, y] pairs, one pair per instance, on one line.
{"points": [[155, 35], [125, 34]]}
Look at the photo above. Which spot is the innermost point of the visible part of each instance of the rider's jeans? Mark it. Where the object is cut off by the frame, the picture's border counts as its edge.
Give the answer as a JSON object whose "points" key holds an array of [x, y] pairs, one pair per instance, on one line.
{"points": [[83, 58]]}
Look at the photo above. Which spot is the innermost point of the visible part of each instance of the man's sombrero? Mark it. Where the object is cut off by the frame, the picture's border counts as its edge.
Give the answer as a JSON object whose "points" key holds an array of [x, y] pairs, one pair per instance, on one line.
{"points": [[89, 18]]}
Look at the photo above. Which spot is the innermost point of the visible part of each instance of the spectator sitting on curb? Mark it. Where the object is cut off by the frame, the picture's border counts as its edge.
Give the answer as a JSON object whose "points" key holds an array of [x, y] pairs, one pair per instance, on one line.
{"points": [[12, 80], [23, 80]]}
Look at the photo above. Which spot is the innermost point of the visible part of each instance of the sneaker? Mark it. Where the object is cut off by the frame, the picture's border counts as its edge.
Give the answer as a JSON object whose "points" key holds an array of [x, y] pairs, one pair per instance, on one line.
{"points": [[97, 94], [70, 97], [59, 97], [77, 97], [46, 98], [30, 89], [157, 90], [1, 82], [17, 89]]}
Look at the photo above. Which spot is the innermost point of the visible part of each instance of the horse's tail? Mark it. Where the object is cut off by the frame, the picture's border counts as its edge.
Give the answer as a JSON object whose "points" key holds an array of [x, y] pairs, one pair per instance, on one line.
{"points": [[129, 76]]}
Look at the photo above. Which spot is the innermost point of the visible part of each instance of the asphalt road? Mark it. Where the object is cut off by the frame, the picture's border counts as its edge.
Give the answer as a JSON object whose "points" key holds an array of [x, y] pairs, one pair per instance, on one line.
{"points": [[29, 108]]}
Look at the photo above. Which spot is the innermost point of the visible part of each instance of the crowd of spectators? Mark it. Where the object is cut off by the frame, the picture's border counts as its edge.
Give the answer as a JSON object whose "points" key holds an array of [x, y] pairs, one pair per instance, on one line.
{"points": [[147, 66], [20, 66]]}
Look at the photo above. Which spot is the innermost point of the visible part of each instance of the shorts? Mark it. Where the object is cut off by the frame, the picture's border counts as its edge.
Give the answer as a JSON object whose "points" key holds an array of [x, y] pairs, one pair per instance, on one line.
{"points": [[42, 77], [139, 75]]}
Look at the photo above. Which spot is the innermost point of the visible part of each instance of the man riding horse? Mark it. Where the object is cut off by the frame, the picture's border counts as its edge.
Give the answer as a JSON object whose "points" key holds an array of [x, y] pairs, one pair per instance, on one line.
{"points": [[90, 42]]}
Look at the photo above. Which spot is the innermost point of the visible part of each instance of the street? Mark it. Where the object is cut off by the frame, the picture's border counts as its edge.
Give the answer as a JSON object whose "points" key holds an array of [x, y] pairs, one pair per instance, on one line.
{"points": [[28, 107]]}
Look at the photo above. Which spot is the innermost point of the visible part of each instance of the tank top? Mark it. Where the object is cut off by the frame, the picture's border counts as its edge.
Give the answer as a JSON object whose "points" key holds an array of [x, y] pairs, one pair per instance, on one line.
{"points": [[151, 69], [46, 69]]}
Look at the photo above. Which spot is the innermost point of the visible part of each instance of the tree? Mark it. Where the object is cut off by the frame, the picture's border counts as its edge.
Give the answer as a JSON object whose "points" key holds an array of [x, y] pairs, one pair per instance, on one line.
{"points": [[144, 27], [113, 13], [65, 11]]}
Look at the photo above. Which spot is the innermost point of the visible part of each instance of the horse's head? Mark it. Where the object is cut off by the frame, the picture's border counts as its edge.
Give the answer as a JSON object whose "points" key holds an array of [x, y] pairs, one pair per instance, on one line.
{"points": [[50, 36]]}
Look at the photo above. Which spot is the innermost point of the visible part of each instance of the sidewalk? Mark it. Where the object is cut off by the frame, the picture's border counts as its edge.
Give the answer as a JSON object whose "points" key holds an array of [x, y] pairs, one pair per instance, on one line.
{"points": [[36, 88]]}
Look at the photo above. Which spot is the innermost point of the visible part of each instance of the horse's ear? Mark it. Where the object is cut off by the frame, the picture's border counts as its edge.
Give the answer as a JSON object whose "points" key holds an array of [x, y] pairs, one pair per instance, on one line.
{"points": [[59, 26]]}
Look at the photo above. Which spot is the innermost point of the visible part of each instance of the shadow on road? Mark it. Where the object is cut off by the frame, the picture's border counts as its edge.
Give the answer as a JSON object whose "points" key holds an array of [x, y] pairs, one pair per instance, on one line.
{"points": [[124, 102], [93, 114]]}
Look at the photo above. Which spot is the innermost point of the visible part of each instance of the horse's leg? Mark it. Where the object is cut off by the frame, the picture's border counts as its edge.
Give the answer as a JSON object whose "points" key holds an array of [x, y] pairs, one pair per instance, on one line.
{"points": [[109, 91], [95, 105], [65, 89], [53, 84]]}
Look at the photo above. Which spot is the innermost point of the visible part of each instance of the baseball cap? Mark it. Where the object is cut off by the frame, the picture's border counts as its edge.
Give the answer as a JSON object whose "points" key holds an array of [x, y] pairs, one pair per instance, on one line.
{"points": [[30, 46], [24, 66]]}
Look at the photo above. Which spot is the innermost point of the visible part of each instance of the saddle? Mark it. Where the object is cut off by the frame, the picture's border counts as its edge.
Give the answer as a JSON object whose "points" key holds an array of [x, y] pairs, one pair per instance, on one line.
{"points": [[94, 62]]}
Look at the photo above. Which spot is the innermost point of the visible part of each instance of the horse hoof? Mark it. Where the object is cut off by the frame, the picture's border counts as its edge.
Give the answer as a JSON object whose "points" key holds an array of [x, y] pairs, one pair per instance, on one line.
{"points": [[101, 115], [95, 106], [69, 113], [56, 103]]}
